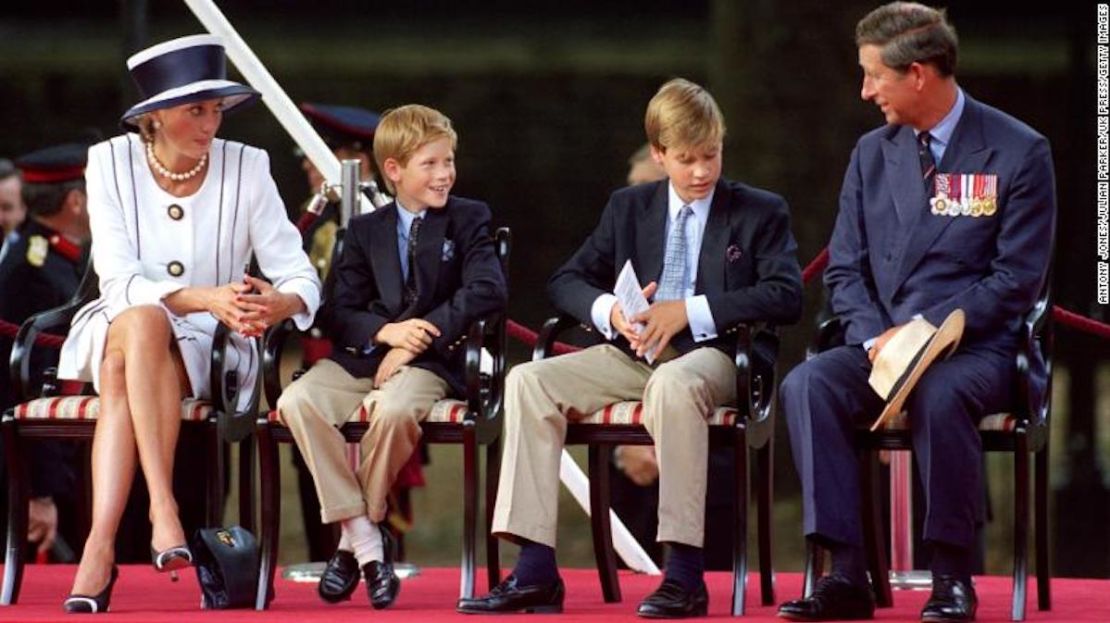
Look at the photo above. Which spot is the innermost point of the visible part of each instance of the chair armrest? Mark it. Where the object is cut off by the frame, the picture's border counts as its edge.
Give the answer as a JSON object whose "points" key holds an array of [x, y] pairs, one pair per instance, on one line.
{"points": [[756, 381], [484, 392], [233, 425], [830, 333], [273, 347], [24, 343], [552, 329], [1036, 345]]}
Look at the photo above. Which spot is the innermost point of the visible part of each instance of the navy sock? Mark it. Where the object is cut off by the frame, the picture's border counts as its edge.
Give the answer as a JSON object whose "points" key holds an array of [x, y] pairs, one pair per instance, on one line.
{"points": [[849, 561], [952, 560], [685, 565], [536, 564]]}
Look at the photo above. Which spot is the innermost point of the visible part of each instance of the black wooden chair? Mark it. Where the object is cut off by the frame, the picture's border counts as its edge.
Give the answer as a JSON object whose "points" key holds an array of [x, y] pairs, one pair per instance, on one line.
{"points": [[58, 410], [473, 422], [749, 425], [1022, 432]]}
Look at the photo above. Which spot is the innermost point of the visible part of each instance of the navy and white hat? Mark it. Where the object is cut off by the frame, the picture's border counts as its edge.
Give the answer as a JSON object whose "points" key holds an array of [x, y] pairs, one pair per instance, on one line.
{"points": [[182, 71]]}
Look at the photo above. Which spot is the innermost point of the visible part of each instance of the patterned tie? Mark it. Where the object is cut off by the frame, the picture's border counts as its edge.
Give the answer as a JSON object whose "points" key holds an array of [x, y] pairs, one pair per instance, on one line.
{"points": [[410, 279], [672, 284], [928, 164]]}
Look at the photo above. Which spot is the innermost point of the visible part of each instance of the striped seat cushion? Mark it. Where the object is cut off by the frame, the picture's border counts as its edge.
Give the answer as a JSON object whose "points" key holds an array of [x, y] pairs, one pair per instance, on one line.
{"points": [[998, 422], [632, 412], [80, 408], [449, 411]]}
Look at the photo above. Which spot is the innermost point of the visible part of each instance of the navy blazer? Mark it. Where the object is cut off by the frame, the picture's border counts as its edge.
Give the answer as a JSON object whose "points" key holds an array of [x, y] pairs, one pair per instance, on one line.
{"points": [[458, 280], [747, 266], [891, 258]]}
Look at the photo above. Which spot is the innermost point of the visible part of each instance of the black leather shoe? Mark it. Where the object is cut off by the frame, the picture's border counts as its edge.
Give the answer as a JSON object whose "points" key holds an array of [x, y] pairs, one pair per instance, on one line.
{"points": [[952, 600], [834, 598], [382, 583], [92, 604], [509, 596], [340, 577], [672, 601]]}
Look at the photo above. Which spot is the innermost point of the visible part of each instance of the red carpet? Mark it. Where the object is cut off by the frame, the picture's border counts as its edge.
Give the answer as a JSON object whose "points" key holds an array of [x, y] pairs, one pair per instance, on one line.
{"points": [[143, 595]]}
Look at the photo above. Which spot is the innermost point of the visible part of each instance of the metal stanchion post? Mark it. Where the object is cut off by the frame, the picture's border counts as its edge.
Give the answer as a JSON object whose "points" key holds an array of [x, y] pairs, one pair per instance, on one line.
{"points": [[902, 574]]}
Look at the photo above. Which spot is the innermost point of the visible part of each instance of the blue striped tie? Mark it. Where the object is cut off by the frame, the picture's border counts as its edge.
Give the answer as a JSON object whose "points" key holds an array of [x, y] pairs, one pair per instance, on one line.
{"points": [[672, 284]]}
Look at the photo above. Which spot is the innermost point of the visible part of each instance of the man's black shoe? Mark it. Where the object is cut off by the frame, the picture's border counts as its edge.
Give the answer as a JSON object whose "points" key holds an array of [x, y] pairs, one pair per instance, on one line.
{"points": [[952, 600], [672, 601], [382, 583], [833, 599], [509, 596], [340, 577]]}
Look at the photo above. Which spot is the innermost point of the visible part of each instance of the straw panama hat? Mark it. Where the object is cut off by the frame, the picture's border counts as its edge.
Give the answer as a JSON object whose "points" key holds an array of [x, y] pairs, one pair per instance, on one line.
{"points": [[906, 356]]}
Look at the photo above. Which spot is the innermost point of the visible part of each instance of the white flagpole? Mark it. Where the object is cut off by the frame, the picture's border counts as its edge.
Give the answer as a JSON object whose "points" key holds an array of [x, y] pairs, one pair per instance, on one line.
{"points": [[283, 108], [627, 547]]}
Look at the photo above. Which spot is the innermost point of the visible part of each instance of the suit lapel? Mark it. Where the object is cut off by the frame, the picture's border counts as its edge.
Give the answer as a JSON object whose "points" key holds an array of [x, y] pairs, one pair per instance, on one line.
{"points": [[384, 258], [711, 257], [429, 248], [903, 170], [650, 236], [967, 153]]}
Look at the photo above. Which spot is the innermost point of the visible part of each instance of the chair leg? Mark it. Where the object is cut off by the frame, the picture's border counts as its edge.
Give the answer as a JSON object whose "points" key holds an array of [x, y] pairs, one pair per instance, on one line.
{"points": [[600, 529], [17, 515], [1040, 504], [493, 473], [270, 524], [814, 567], [215, 486], [246, 483], [1021, 523], [765, 457], [469, 568], [740, 520], [872, 530]]}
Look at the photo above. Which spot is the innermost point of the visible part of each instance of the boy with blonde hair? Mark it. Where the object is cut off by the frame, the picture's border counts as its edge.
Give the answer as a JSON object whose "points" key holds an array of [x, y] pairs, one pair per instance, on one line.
{"points": [[410, 280], [717, 253]]}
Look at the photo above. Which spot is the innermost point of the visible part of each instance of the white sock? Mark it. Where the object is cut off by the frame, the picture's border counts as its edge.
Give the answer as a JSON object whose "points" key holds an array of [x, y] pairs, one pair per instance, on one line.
{"points": [[344, 540], [365, 539]]}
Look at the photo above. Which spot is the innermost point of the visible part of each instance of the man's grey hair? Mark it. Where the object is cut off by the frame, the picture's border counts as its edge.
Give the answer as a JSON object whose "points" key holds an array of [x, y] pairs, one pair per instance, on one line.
{"points": [[907, 33]]}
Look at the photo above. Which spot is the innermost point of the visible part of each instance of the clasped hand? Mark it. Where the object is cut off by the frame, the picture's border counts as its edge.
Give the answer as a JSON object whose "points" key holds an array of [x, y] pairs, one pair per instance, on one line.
{"points": [[252, 306], [408, 339], [661, 322]]}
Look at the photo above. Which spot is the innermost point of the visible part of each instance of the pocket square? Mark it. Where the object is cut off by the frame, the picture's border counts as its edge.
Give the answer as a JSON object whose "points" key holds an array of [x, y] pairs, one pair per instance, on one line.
{"points": [[733, 253], [448, 250]]}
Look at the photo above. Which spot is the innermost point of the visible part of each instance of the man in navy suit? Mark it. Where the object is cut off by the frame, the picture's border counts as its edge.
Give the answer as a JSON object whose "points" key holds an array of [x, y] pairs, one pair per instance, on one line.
{"points": [[951, 205], [718, 253], [411, 279]]}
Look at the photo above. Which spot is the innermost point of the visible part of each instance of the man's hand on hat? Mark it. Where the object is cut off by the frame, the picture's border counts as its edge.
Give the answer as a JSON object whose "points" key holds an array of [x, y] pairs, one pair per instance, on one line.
{"points": [[880, 342]]}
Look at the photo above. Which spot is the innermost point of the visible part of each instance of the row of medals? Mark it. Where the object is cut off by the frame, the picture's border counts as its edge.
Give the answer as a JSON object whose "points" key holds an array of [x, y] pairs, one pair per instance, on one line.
{"points": [[945, 204]]}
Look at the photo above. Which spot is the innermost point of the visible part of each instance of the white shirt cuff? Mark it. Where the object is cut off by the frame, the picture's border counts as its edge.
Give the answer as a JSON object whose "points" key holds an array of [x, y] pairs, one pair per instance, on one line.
{"points": [[700, 318], [309, 295], [602, 308]]}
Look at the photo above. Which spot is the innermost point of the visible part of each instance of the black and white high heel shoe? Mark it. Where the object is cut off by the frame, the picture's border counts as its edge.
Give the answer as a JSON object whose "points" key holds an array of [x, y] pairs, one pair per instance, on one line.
{"points": [[171, 559], [95, 604]]}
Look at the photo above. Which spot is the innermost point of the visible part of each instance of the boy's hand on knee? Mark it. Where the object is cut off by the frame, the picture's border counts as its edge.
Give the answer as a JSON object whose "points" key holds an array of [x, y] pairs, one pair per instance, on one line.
{"points": [[414, 335], [393, 360]]}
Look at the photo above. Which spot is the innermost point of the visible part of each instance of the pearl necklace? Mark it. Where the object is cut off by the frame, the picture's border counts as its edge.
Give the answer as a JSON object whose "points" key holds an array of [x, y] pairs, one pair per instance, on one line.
{"points": [[164, 172]]}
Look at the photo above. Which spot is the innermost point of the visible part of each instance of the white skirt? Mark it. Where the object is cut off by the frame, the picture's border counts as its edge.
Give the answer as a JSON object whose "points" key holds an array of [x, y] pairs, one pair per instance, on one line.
{"points": [[83, 350]]}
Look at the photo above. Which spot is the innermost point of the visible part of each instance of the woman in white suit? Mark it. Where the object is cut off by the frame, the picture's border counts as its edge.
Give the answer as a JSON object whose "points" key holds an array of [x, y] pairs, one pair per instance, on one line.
{"points": [[176, 215]]}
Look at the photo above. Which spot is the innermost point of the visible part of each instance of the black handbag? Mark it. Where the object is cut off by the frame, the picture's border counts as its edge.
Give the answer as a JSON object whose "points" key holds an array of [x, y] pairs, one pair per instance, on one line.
{"points": [[226, 560]]}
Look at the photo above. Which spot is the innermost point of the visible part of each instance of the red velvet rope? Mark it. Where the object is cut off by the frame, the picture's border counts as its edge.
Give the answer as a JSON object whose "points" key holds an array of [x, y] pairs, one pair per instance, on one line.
{"points": [[528, 337]]}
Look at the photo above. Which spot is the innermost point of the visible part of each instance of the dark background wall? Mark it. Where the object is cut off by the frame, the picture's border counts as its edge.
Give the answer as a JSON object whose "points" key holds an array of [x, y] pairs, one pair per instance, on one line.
{"points": [[548, 98]]}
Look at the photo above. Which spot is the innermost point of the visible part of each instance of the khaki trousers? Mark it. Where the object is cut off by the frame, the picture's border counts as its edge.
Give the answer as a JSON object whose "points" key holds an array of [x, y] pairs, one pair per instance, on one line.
{"points": [[541, 396], [319, 402]]}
